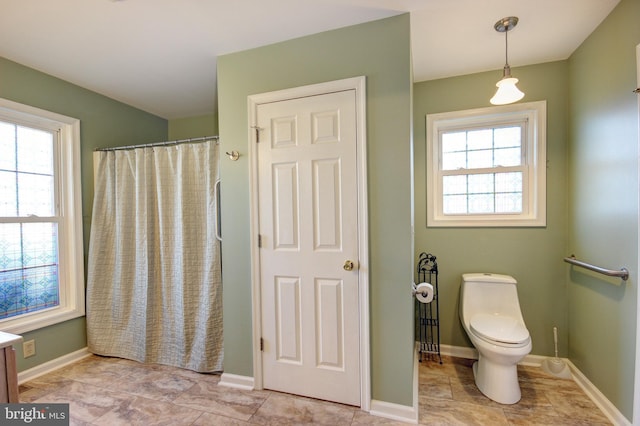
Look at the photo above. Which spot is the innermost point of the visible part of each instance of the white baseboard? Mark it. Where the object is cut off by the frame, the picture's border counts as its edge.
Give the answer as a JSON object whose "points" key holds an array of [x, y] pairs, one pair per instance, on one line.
{"points": [[472, 353], [598, 398], [388, 410], [54, 364], [459, 351], [399, 412], [378, 408], [237, 381]]}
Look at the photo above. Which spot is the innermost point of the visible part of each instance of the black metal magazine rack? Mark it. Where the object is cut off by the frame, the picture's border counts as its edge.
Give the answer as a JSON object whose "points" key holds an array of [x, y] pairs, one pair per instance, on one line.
{"points": [[427, 314]]}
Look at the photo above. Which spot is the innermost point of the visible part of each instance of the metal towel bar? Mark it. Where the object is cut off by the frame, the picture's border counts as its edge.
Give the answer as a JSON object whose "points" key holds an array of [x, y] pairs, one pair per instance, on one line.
{"points": [[622, 273]]}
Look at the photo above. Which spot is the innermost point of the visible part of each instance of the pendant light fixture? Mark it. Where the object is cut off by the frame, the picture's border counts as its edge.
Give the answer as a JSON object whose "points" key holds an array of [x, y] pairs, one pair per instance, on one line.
{"points": [[507, 92]]}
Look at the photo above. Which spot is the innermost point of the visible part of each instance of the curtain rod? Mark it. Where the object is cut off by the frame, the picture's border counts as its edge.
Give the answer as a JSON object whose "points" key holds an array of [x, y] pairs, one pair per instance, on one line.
{"points": [[150, 145]]}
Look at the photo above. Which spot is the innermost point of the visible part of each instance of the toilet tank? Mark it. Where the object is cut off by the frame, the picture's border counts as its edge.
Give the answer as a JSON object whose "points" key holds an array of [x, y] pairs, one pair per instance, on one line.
{"points": [[489, 293]]}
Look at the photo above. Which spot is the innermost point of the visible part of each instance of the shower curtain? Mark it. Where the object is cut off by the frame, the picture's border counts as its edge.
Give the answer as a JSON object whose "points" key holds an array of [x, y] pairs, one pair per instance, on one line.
{"points": [[154, 291]]}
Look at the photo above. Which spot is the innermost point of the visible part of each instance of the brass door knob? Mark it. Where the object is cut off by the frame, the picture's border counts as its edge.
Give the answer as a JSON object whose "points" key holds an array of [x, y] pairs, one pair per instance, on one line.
{"points": [[348, 265]]}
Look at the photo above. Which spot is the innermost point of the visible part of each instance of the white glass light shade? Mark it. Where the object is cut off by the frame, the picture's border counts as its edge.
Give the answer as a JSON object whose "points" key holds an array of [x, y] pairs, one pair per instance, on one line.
{"points": [[507, 92]]}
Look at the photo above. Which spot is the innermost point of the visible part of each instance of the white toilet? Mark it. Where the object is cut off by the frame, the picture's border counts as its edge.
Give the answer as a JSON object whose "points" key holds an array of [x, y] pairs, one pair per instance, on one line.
{"points": [[490, 314]]}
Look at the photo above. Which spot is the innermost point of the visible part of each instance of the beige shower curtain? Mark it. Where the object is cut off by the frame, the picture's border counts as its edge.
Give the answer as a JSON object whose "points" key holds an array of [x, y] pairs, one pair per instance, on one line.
{"points": [[154, 291]]}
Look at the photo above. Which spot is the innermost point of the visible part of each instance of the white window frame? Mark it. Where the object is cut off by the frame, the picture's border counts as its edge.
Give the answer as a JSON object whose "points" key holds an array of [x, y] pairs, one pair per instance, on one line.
{"points": [[534, 156], [70, 240]]}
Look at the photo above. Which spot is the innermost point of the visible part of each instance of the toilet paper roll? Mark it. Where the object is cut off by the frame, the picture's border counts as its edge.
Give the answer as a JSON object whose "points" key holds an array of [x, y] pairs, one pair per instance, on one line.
{"points": [[424, 293]]}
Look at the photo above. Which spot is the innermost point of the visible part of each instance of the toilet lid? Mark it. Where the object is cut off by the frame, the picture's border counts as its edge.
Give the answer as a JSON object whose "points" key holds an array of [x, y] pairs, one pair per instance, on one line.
{"points": [[499, 328]]}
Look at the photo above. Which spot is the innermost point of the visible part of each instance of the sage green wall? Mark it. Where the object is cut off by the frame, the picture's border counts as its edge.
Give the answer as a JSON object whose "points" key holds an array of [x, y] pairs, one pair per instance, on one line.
{"points": [[379, 50], [103, 122], [193, 127], [532, 255], [604, 204]]}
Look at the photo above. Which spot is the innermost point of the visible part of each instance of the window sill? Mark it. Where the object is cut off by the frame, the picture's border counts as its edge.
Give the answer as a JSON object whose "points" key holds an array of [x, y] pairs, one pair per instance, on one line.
{"points": [[40, 319]]}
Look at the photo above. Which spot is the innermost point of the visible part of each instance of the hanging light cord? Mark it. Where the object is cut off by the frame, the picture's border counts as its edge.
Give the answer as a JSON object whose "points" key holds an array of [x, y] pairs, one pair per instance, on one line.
{"points": [[506, 46], [506, 71]]}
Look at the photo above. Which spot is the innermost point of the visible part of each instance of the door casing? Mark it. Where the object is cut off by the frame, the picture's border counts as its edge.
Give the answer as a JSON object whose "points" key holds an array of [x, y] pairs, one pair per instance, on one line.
{"points": [[359, 85], [636, 382]]}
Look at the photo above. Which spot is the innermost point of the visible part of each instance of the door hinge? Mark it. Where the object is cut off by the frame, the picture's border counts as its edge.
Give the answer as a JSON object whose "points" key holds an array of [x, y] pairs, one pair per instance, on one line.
{"points": [[261, 344], [259, 241], [257, 129]]}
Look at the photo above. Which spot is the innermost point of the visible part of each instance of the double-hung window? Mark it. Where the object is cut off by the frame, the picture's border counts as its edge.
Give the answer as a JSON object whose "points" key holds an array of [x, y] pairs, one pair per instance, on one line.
{"points": [[487, 167], [41, 255]]}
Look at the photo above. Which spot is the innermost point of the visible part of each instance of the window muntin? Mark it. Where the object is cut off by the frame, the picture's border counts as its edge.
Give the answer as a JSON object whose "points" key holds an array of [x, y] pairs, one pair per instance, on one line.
{"points": [[487, 166], [41, 252]]}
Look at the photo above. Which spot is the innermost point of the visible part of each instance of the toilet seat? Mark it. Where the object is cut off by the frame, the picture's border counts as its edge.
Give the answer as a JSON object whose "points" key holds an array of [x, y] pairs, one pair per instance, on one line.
{"points": [[500, 329]]}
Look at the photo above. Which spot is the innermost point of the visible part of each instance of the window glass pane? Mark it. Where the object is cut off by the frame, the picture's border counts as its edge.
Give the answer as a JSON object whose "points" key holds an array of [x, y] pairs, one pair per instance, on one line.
{"points": [[28, 251], [480, 159], [481, 184], [509, 203], [39, 244], [8, 200], [507, 137], [482, 193], [10, 246], [454, 204], [509, 182], [452, 142], [35, 195], [486, 148], [7, 146], [35, 151], [480, 139], [507, 157], [28, 290], [28, 268], [481, 203], [454, 160], [509, 192], [454, 185]]}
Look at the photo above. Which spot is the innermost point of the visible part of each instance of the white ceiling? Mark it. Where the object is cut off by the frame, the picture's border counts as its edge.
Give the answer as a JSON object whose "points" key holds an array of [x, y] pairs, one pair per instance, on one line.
{"points": [[160, 55]]}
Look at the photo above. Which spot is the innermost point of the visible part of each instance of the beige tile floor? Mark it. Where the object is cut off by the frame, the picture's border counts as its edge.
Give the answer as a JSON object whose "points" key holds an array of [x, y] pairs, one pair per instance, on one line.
{"points": [[111, 391]]}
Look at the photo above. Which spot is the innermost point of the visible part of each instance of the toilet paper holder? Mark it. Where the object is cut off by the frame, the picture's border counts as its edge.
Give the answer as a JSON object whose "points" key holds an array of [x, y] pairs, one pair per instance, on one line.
{"points": [[427, 312]]}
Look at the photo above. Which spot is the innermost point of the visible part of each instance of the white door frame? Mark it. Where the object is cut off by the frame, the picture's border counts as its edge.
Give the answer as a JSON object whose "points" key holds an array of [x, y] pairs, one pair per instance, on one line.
{"points": [[359, 85], [636, 385]]}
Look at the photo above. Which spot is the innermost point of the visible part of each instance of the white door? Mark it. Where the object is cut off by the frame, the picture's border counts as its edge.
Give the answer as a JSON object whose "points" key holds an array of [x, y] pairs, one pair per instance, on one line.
{"points": [[308, 200]]}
